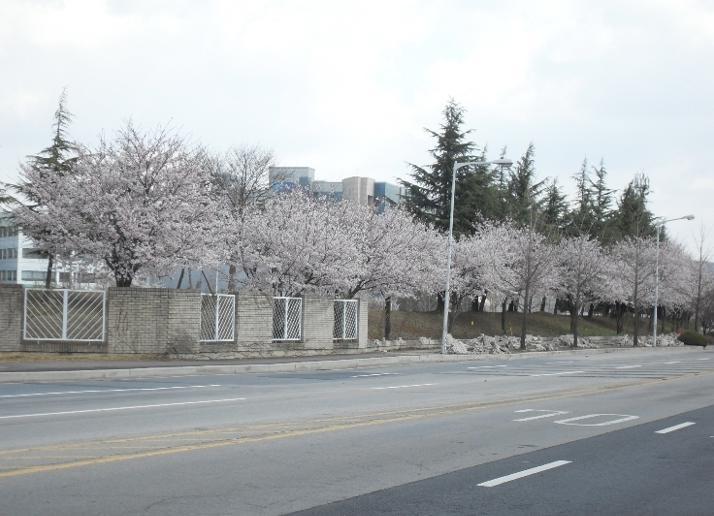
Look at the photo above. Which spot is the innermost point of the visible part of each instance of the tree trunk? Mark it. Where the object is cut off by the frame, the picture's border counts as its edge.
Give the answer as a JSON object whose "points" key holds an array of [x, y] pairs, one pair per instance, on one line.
{"points": [[482, 305], [440, 302], [591, 309], [542, 304], [231, 277], [180, 280], [387, 318], [619, 317], [574, 327], [453, 312], [503, 316], [48, 276], [524, 320], [123, 281]]}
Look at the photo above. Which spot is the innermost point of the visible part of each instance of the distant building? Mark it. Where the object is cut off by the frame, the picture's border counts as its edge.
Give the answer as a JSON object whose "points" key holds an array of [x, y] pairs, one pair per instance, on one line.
{"points": [[357, 189], [22, 263], [331, 190], [386, 195], [293, 176]]}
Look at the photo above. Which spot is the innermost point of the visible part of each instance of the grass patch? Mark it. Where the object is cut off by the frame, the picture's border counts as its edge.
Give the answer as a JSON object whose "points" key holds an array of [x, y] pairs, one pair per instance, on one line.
{"points": [[412, 325]]}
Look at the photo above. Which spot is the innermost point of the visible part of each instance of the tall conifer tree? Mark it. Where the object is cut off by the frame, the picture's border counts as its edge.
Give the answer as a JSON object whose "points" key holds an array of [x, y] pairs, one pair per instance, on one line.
{"points": [[54, 163], [428, 193]]}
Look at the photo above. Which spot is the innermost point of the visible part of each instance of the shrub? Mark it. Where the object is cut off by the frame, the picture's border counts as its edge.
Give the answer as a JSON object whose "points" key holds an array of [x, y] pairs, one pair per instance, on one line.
{"points": [[691, 338]]}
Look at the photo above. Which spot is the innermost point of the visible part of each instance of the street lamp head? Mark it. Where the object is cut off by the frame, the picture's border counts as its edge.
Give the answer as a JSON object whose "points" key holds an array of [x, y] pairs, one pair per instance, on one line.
{"points": [[689, 217], [502, 162]]}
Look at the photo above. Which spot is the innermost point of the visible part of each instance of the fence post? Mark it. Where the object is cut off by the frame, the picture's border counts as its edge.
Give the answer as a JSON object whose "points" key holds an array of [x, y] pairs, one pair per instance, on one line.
{"points": [[65, 310], [218, 309], [24, 316]]}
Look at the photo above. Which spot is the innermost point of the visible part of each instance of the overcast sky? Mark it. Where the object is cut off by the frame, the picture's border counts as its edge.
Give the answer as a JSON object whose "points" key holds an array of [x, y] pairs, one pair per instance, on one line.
{"points": [[348, 87]]}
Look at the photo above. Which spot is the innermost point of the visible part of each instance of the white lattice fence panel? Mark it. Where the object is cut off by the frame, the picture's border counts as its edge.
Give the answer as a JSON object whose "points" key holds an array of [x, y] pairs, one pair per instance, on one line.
{"points": [[85, 316], [44, 314], [346, 319], [218, 317], [72, 315], [287, 318]]}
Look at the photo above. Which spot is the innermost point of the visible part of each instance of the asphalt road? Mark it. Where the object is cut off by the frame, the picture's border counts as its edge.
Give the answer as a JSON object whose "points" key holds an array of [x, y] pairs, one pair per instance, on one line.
{"points": [[400, 440]]}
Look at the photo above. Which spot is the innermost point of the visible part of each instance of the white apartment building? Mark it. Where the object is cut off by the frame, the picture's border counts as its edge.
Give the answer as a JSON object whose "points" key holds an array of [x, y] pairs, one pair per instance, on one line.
{"points": [[22, 263]]}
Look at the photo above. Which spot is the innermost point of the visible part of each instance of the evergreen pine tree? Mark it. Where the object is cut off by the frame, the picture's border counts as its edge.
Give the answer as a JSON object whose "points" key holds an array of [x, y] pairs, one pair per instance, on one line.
{"points": [[601, 198], [581, 217], [523, 190], [55, 161], [555, 207], [428, 194], [632, 218]]}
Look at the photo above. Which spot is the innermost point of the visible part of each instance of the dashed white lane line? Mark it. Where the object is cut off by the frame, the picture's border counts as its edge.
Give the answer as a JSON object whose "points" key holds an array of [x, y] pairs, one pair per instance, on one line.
{"points": [[485, 366], [675, 427], [672, 362], [559, 373], [113, 409], [701, 359], [403, 386], [371, 374], [100, 391], [524, 473], [628, 366]]}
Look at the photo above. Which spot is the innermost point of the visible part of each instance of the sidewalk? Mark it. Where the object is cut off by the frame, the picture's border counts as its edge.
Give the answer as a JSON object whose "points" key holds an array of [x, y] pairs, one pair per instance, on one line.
{"points": [[54, 370]]}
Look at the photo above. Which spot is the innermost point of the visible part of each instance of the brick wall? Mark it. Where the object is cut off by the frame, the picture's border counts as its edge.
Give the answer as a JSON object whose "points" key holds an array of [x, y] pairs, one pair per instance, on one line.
{"points": [[363, 339], [254, 328], [153, 320], [254, 323], [11, 307], [318, 316]]}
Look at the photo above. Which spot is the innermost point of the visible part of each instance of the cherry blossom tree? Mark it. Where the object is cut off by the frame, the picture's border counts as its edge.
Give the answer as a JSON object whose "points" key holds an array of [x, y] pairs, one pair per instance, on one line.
{"points": [[240, 179], [583, 267], [633, 268], [515, 261], [398, 256], [295, 244], [140, 203]]}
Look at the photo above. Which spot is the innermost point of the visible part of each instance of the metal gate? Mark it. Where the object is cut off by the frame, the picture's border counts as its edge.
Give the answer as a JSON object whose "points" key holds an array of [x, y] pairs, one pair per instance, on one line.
{"points": [[287, 318], [63, 314], [346, 323], [218, 317]]}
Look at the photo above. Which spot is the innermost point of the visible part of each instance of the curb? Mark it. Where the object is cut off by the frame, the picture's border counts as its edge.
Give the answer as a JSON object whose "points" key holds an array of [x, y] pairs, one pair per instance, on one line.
{"points": [[288, 367]]}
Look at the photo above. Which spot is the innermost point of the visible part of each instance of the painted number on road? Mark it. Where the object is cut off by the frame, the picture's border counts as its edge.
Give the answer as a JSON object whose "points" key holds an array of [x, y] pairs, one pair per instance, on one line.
{"points": [[543, 415]]}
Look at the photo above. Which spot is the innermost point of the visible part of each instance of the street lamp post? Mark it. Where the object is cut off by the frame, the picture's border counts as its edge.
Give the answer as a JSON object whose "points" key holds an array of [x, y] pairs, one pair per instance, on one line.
{"points": [[457, 166], [659, 225]]}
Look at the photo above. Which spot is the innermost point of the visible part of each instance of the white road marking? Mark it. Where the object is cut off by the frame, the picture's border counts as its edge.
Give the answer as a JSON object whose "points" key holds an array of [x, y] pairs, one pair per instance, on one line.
{"points": [[675, 427], [372, 374], [112, 409], [524, 473], [672, 362], [549, 413], [621, 418], [485, 366], [558, 374], [403, 386], [99, 391], [628, 366], [700, 359]]}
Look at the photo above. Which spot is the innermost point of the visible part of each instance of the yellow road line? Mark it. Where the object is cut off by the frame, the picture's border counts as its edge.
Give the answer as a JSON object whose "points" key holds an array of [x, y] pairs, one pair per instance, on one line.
{"points": [[377, 419]]}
